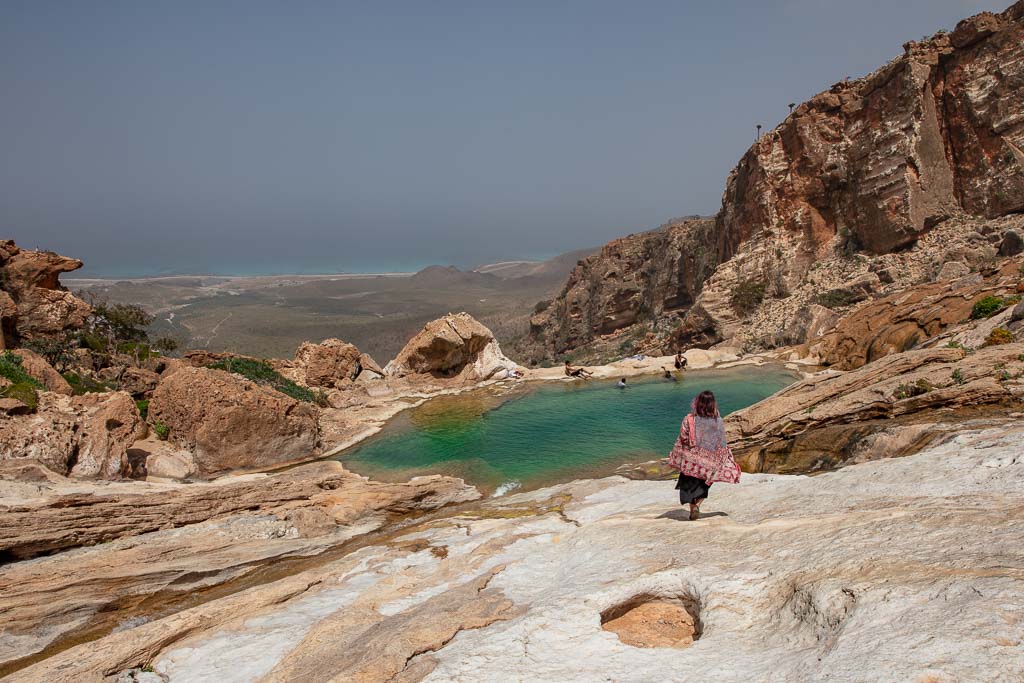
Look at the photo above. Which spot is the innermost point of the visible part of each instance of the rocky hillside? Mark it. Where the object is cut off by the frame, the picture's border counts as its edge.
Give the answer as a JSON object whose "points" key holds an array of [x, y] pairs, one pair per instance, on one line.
{"points": [[862, 171]]}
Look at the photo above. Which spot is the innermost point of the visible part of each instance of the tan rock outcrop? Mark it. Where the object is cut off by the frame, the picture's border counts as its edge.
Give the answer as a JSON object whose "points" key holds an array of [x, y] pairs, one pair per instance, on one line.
{"points": [[830, 419], [43, 306], [231, 423], [457, 346], [331, 364], [81, 436]]}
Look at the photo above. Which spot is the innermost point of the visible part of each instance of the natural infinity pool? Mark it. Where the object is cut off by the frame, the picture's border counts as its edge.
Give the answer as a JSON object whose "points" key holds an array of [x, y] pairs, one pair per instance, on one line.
{"points": [[545, 433]]}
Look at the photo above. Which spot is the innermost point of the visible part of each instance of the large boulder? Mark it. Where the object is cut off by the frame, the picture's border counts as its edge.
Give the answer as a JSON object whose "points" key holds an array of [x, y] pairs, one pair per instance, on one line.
{"points": [[44, 373], [456, 345], [230, 423], [331, 364], [43, 306], [82, 436]]}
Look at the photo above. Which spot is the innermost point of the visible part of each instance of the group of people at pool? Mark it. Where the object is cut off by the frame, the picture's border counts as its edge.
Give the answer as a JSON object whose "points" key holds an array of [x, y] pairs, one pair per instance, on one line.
{"points": [[700, 453], [583, 373]]}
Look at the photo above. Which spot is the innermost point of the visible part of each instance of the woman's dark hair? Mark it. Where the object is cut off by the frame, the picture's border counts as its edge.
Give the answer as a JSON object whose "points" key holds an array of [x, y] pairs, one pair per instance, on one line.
{"points": [[704, 405]]}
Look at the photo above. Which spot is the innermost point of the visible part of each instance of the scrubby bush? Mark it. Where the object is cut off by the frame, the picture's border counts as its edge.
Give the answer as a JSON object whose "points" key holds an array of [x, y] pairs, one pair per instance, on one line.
{"points": [[835, 298], [958, 376], [11, 369], [84, 384], [261, 372], [24, 392], [58, 351], [143, 407], [746, 296], [999, 335], [921, 386], [987, 306], [23, 387], [542, 306], [162, 430]]}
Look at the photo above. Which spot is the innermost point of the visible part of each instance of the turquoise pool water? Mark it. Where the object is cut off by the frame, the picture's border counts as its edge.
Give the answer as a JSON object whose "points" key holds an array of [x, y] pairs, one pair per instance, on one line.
{"points": [[546, 433]]}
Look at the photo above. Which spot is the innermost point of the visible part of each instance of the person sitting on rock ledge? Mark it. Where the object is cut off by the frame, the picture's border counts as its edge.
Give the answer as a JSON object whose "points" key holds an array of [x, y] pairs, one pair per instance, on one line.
{"points": [[680, 361], [701, 454], [570, 371]]}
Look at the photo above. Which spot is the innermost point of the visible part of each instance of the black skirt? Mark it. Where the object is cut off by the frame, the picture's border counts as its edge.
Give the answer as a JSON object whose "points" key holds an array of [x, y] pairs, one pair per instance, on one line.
{"points": [[691, 489]]}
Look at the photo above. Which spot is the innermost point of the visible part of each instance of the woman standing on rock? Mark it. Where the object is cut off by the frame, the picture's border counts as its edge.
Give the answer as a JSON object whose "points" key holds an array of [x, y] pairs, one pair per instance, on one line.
{"points": [[701, 454]]}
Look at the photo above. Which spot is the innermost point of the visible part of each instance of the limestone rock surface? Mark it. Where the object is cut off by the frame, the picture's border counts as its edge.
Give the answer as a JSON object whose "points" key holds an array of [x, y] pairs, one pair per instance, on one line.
{"points": [[82, 436], [516, 588]]}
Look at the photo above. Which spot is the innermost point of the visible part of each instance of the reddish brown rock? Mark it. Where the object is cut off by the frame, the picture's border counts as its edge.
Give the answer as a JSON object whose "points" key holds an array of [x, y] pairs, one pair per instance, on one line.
{"points": [[869, 166], [231, 423], [83, 436], [44, 307]]}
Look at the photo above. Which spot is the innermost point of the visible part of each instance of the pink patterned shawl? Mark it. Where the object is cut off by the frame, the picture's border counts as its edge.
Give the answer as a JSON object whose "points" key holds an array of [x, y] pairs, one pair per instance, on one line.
{"points": [[701, 451]]}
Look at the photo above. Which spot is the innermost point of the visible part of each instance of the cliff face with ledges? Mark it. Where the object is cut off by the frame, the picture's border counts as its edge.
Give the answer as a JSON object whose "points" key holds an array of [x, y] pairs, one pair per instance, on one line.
{"points": [[632, 279], [867, 167]]}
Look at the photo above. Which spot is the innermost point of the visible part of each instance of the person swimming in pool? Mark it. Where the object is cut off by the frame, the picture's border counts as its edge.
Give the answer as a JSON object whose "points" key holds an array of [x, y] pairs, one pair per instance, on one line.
{"points": [[622, 383]]}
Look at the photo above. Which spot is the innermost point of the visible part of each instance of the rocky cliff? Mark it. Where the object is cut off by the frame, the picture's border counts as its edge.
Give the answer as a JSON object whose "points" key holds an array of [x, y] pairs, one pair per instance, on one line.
{"points": [[862, 170], [32, 301]]}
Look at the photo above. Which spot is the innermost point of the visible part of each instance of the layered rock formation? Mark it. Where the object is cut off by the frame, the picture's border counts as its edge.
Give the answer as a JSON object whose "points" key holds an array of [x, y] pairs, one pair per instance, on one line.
{"points": [[907, 318], [32, 301], [229, 422], [455, 346], [862, 170], [167, 544], [893, 406], [529, 586]]}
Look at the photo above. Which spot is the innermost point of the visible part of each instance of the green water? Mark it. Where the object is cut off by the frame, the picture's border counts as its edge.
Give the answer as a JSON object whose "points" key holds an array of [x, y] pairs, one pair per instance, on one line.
{"points": [[546, 433]]}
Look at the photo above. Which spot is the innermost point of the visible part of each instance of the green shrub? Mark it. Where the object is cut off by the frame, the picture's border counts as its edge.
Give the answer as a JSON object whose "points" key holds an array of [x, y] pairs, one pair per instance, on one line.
{"points": [[57, 351], [999, 335], [84, 384], [261, 372], [162, 430], [987, 306], [12, 370], [746, 296], [143, 406], [836, 298], [958, 376], [955, 345], [921, 386], [24, 392], [140, 350]]}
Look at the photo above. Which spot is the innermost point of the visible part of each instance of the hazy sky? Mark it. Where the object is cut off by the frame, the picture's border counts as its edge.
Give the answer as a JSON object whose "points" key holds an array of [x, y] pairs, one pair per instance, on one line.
{"points": [[283, 136]]}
